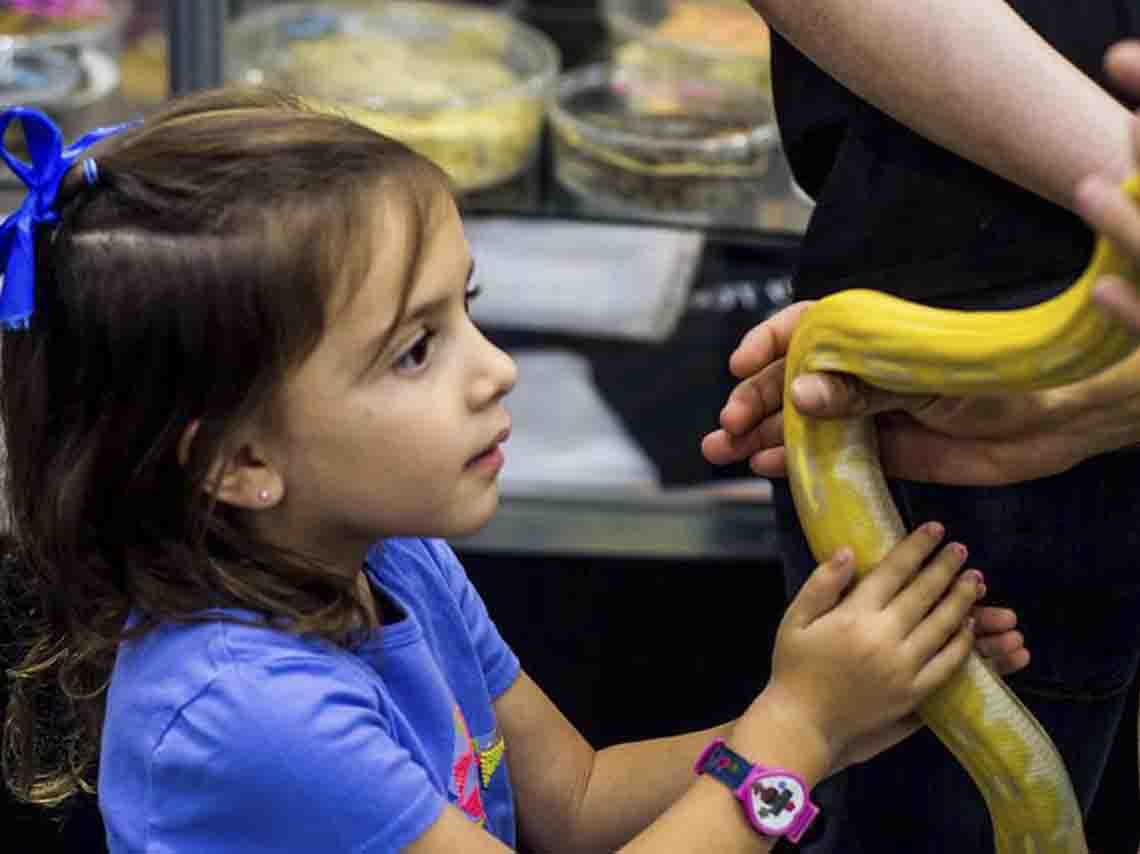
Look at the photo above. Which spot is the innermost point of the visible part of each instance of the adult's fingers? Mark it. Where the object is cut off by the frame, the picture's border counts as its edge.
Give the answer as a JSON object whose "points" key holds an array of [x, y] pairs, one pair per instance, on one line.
{"points": [[1110, 211], [1005, 653], [721, 446], [754, 399], [828, 395], [1120, 297], [1122, 61], [766, 341], [770, 463]]}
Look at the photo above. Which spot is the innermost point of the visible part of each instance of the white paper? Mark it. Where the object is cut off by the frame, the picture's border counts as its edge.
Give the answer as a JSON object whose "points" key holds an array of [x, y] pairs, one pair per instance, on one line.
{"points": [[605, 280], [564, 435]]}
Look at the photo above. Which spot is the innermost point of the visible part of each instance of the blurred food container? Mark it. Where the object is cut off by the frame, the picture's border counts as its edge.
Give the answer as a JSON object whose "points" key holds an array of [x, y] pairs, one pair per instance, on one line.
{"points": [[62, 57], [39, 24], [720, 43], [463, 85], [699, 162], [144, 65]]}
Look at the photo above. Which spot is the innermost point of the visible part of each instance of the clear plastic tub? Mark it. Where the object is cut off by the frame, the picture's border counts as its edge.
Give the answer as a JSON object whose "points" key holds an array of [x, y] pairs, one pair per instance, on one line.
{"points": [[463, 85], [89, 25], [698, 164], [65, 64], [723, 43]]}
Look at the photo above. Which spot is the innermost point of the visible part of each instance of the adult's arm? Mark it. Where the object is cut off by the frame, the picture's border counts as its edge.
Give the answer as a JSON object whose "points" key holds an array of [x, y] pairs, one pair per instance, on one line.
{"points": [[973, 77]]}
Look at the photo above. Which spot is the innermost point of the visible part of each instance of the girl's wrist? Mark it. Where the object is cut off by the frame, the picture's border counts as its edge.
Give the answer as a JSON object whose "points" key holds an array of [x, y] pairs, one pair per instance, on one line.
{"points": [[774, 732]]}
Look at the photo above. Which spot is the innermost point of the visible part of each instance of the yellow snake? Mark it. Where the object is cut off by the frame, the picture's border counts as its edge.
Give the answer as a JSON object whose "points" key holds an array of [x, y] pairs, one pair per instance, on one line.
{"points": [[841, 496]]}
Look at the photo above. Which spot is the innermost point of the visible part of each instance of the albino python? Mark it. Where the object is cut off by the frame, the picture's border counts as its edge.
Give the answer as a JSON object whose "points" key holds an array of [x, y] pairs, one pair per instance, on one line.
{"points": [[841, 496]]}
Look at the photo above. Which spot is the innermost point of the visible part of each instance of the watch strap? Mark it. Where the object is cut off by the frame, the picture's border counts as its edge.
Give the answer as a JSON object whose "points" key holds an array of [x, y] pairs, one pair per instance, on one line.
{"points": [[723, 763]]}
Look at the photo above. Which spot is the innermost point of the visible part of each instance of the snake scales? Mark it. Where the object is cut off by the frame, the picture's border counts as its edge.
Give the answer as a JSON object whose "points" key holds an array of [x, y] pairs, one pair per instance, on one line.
{"points": [[841, 496]]}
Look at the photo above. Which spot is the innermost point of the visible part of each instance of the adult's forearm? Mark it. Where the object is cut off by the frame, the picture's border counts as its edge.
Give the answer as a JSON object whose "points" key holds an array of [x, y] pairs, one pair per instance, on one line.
{"points": [[972, 76]]}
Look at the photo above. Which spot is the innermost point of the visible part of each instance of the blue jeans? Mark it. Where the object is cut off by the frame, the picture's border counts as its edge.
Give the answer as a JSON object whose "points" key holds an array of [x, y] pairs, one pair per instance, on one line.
{"points": [[1064, 552]]}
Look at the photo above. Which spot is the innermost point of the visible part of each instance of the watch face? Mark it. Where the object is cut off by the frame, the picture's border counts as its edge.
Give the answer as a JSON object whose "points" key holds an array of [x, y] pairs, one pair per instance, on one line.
{"points": [[776, 801]]}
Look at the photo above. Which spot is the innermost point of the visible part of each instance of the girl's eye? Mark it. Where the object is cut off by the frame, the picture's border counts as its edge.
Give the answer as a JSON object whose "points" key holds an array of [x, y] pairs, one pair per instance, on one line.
{"points": [[472, 294], [415, 357]]}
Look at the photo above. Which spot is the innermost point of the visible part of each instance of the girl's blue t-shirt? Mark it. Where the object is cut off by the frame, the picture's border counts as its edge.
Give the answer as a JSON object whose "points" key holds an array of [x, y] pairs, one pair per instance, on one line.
{"points": [[222, 737]]}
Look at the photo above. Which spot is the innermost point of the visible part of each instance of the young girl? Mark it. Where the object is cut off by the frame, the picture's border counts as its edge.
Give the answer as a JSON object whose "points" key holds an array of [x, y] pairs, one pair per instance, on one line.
{"points": [[242, 398]]}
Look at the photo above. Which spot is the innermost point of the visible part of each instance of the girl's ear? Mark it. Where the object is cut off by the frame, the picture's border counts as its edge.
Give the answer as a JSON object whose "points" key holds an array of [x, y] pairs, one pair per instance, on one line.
{"points": [[242, 477]]}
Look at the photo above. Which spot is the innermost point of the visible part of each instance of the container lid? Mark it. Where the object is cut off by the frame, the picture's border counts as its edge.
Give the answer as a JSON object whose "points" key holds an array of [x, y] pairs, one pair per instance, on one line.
{"points": [[36, 77]]}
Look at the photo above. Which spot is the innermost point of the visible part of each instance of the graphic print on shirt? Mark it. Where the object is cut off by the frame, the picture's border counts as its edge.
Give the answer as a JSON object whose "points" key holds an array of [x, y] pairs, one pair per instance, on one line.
{"points": [[465, 787], [476, 760]]}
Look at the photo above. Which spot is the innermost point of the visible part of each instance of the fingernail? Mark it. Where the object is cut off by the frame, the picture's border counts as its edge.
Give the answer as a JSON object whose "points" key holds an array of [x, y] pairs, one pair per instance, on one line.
{"points": [[959, 551], [808, 391], [978, 580], [934, 529], [842, 558]]}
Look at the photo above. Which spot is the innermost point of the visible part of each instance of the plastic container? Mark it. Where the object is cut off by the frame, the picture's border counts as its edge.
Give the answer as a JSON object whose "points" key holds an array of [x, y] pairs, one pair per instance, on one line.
{"points": [[462, 85], [65, 65], [698, 163], [720, 43], [97, 25]]}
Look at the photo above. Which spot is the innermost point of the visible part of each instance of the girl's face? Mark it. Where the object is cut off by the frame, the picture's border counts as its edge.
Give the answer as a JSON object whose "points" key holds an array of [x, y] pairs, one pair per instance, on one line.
{"points": [[396, 440]]}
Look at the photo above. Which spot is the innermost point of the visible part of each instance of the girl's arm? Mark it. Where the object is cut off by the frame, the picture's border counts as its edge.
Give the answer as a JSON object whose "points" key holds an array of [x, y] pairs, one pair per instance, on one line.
{"points": [[840, 686], [971, 76]]}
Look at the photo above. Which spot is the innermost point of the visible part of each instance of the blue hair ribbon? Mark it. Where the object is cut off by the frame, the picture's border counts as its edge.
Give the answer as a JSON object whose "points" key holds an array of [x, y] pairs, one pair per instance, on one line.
{"points": [[50, 161]]}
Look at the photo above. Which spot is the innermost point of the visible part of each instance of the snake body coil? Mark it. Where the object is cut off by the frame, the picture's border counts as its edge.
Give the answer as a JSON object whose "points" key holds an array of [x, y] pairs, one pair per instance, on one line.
{"points": [[841, 495]]}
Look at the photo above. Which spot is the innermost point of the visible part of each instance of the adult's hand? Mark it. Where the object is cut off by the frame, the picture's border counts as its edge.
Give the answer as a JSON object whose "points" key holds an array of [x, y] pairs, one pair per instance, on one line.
{"points": [[1109, 210], [958, 440]]}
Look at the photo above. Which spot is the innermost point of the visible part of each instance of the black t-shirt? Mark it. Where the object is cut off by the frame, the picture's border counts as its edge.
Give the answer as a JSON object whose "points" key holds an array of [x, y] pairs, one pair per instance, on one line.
{"points": [[900, 214]]}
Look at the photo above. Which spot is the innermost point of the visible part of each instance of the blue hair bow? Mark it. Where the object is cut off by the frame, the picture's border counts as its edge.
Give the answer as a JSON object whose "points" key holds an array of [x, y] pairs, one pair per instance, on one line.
{"points": [[50, 162]]}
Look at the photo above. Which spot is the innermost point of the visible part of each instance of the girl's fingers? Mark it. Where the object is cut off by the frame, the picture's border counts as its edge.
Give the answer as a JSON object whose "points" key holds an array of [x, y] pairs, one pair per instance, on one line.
{"points": [[947, 618], [899, 566], [942, 664], [822, 590], [929, 586]]}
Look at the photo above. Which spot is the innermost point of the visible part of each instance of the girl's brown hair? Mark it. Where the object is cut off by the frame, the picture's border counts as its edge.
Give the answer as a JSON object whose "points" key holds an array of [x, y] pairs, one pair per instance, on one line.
{"points": [[182, 288]]}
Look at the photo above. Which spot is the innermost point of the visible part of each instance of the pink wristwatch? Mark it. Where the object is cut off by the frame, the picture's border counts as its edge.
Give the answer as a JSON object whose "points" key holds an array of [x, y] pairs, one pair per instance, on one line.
{"points": [[775, 800]]}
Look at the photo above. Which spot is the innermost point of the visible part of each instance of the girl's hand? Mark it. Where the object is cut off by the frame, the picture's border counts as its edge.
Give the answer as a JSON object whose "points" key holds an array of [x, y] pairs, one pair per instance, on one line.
{"points": [[853, 666], [996, 641]]}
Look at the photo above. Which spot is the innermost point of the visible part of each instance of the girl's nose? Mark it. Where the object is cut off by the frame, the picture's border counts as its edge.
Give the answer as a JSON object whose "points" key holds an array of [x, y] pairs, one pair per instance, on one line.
{"points": [[497, 374]]}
